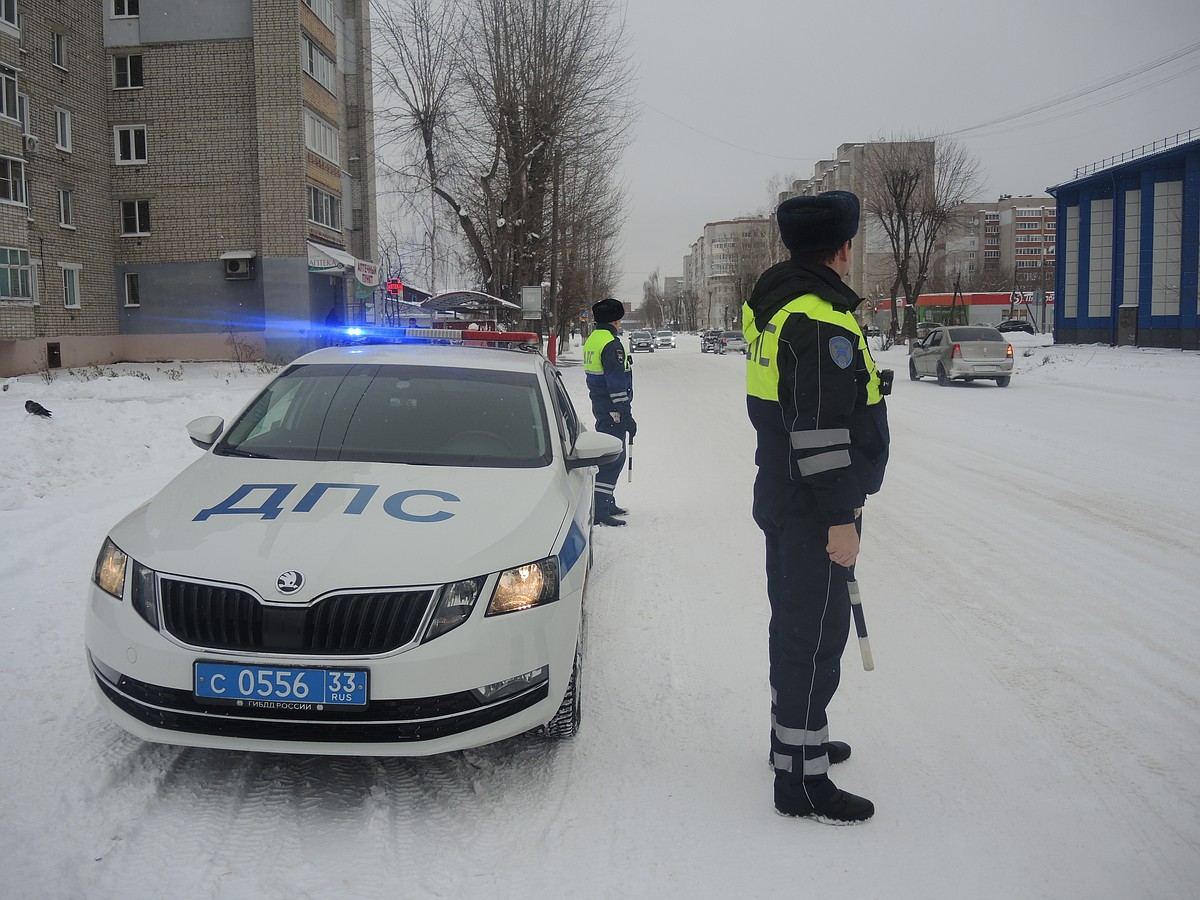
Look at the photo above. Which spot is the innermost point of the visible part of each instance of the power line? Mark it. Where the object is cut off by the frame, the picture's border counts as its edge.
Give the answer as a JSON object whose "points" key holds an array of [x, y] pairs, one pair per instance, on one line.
{"points": [[1089, 89]]}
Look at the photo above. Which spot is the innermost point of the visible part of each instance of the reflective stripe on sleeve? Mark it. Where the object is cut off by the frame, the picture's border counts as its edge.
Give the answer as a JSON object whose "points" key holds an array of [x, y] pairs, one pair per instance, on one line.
{"points": [[823, 462], [822, 437]]}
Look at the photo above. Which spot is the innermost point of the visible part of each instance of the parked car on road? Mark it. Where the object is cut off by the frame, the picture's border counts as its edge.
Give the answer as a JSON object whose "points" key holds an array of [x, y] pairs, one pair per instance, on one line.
{"points": [[735, 340], [1010, 325], [710, 341], [384, 554], [641, 340], [962, 353], [665, 339]]}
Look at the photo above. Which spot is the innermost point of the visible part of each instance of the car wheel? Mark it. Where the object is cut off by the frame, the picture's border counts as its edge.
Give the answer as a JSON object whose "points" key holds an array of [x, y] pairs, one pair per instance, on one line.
{"points": [[1003, 380], [942, 378], [912, 371], [565, 722]]}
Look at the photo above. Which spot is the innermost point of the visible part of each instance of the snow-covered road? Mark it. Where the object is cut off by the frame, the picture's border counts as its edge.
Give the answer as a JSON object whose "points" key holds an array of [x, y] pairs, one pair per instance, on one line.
{"points": [[1030, 579]]}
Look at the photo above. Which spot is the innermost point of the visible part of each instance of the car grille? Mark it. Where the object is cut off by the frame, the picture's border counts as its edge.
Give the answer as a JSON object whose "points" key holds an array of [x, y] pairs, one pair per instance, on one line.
{"points": [[224, 618]]}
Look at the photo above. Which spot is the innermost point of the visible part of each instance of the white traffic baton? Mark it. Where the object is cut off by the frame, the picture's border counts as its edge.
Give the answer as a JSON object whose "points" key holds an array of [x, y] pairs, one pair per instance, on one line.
{"points": [[860, 625], [630, 457]]}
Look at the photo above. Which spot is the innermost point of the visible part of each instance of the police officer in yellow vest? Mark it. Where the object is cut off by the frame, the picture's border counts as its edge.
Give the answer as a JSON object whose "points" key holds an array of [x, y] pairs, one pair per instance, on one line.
{"points": [[815, 398], [609, 373]]}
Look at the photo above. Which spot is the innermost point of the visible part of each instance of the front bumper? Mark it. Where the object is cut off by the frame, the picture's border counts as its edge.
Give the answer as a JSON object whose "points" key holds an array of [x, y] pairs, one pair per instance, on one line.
{"points": [[421, 701]]}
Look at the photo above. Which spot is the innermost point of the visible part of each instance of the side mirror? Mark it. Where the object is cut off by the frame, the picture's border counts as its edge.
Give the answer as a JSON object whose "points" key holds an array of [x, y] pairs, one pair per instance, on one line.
{"points": [[205, 430], [594, 448]]}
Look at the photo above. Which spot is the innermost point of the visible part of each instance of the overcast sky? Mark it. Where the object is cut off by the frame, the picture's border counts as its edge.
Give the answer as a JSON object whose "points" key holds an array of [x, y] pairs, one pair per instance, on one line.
{"points": [[736, 92]]}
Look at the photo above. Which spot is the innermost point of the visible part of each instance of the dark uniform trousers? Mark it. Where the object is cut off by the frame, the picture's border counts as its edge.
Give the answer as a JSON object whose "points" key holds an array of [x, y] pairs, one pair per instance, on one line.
{"points": [[607, 475], [810, 623]]}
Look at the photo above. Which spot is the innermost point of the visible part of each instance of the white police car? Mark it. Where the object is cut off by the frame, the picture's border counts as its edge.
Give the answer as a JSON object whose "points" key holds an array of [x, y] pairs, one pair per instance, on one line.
{"points": [[384, 554]]}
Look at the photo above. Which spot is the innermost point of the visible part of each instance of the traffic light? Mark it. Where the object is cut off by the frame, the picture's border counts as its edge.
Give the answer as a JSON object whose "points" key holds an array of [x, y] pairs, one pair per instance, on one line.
{"points": [[395, 287]]}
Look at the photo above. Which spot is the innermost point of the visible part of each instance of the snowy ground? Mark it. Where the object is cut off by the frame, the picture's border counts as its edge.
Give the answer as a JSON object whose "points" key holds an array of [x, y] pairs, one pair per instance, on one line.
{"points": [[1030, 575]]}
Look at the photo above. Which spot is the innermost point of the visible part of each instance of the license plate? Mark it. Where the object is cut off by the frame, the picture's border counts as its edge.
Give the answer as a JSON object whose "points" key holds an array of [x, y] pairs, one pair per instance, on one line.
{"points": [[985, 368], [270, 686]]}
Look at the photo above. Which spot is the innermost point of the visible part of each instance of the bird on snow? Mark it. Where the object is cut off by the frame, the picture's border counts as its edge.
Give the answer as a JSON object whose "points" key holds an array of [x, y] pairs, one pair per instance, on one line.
{"points": [[35, 408]]}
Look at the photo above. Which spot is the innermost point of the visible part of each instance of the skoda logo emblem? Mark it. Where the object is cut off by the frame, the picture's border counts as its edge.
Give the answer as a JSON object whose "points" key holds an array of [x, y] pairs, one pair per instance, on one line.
{"points": [[289, 582]]}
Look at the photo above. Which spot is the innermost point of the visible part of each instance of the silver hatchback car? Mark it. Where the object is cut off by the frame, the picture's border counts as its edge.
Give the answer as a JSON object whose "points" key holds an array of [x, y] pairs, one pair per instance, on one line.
{"points": [[962, 353]]}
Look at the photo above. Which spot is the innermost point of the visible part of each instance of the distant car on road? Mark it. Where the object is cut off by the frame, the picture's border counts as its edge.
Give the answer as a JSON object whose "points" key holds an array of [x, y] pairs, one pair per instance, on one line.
{"points": [[641, 340], [962, 353], [665, 339], [735, 340], [710, 340], [1011, 325]]}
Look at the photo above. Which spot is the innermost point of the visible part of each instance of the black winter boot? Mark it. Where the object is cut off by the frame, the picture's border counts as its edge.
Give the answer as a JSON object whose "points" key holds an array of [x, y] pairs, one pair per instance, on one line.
{"points": [[820, 799], [608, 519]]}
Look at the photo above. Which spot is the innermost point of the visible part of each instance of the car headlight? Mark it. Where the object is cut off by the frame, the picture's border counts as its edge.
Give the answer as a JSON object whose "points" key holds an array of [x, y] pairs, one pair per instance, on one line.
{"points": [[525, 587], [109, 574], [457, 600]]}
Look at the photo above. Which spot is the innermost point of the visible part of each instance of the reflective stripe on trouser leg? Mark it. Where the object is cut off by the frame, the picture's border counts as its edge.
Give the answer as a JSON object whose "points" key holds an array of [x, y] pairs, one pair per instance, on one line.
{"points": [[810, 622]]}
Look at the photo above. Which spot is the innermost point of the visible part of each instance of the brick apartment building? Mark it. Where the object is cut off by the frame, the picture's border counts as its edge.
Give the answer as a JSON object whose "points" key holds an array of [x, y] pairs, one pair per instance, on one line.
{"points": [[175, 174]]}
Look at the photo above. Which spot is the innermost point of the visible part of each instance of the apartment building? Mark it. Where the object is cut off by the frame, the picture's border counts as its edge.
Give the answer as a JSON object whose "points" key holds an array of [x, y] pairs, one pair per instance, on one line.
{"points": [[1008, 244], [723, 265], [872, 265], [178, 176]]}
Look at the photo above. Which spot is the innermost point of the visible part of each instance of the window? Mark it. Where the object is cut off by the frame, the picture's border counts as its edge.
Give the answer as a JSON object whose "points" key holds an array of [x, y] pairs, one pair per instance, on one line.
{"points": [[1027, 212], [8, 13], [314, 61], [70, 279], [16, 276], [135, 217], [125, 8], [1099, 275], [66, 208], [991, 217], [62, 128], [133, 290], [60, 50], [127, 72], [320, 137], [9, 106], [1166, 248], [12, 180], [324, 209], [991, 254], [1029, 226], [130, 144], [23, 112], [991, 229], [324, 11]]}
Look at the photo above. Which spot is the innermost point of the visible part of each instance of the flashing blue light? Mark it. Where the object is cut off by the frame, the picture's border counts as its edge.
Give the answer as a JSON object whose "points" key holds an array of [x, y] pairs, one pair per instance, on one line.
{"points": [[354, 332]]}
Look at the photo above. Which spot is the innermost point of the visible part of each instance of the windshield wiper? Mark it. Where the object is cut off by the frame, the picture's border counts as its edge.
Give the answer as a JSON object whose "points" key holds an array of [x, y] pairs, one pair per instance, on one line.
{"points": [[247, 454]]}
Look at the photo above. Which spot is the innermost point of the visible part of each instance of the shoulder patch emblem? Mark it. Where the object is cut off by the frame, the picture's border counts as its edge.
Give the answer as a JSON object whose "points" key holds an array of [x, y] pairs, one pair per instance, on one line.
{"points": [[842, 351]]}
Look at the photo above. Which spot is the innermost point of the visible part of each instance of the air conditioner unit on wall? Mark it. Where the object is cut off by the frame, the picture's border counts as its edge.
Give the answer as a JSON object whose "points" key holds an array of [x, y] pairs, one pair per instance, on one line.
{"points": [[31, 143], [238, 267]]}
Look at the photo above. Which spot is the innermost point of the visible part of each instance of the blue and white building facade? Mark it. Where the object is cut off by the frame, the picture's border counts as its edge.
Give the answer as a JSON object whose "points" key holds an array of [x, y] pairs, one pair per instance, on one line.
{"points": [[1128, 249]]}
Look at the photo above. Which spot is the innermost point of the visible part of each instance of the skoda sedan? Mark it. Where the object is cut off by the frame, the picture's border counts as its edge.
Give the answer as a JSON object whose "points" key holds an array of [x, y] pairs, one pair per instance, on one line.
{"points": [[384, 554]]}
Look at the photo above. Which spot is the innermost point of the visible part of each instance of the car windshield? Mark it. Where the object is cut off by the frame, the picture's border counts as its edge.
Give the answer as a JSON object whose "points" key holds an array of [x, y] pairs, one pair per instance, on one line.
{"points": [[642, 335], [733, 336], [664, 334], [962, 335], [423, 415]]}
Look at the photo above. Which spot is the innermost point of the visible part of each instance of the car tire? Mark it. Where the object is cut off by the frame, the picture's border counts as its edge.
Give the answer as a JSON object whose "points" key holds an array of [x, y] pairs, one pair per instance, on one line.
{"points": [[565, 723], [1003, 380], [912, 371], [942, 377]]}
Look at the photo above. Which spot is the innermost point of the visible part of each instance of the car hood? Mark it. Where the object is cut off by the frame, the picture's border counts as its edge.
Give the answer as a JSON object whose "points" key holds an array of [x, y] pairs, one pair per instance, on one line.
{"points": [[248, 521]]}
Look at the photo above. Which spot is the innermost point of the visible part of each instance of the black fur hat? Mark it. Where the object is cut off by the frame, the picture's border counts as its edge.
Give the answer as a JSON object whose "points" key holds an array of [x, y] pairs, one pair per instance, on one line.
{"points": [[823, 222], [608, 310]]}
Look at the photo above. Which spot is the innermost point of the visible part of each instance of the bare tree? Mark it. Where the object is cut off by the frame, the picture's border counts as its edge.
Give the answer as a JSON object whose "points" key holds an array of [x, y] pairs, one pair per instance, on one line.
{"points": [[653, 306], [499, 100], [915, 188]]}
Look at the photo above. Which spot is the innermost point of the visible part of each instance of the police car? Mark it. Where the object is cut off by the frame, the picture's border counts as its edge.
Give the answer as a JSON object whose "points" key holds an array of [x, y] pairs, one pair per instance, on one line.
{"points": [[384, 554]]}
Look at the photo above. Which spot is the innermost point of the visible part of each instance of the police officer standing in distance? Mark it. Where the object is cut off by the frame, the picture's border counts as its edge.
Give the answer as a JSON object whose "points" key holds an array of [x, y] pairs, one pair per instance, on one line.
{"points": [[610, 385], [815, 399]]}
